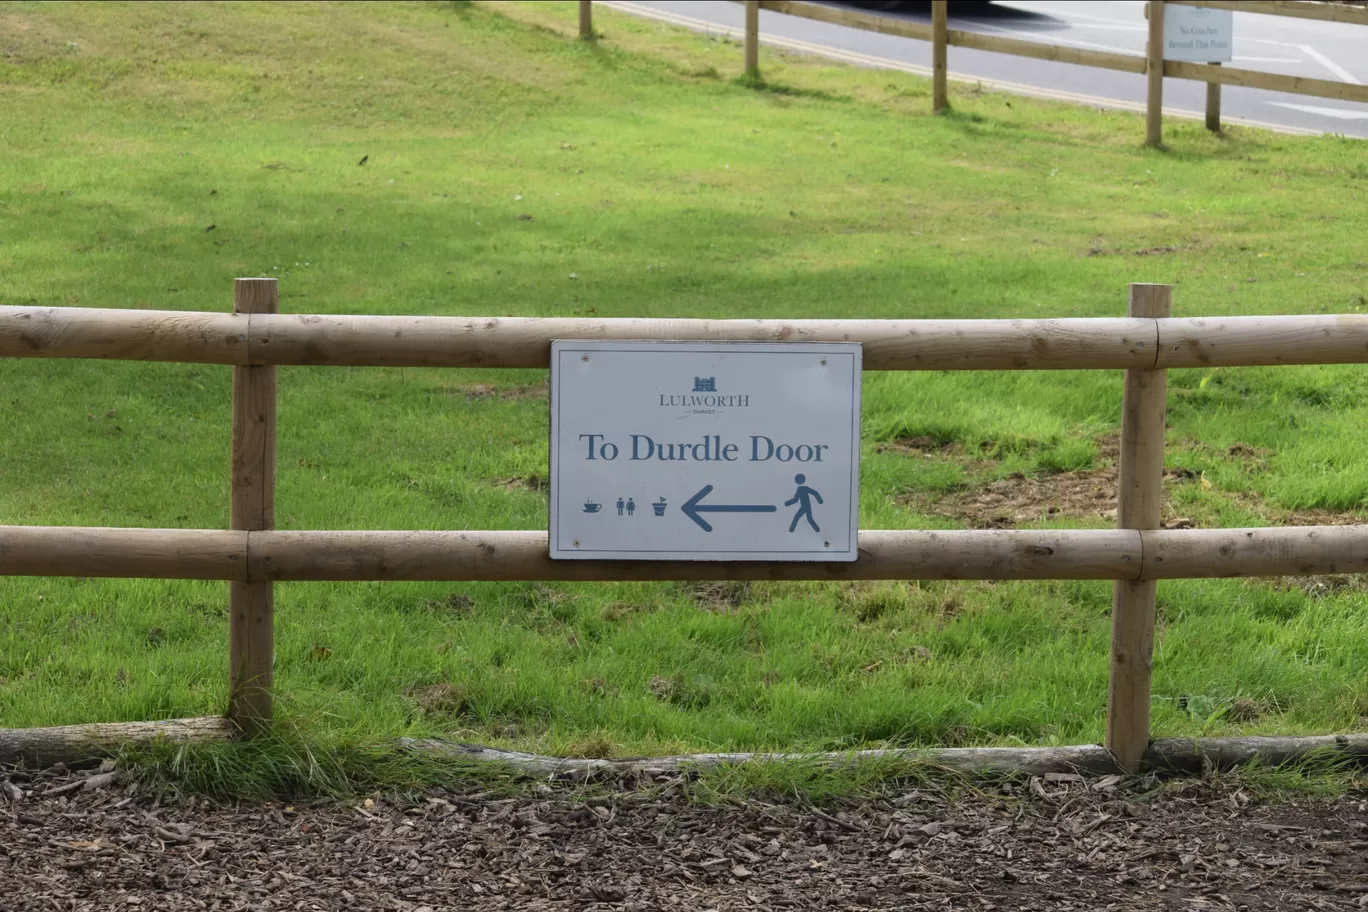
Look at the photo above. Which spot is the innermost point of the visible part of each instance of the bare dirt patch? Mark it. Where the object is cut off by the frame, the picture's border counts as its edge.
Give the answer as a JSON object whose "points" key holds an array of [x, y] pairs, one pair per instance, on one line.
{"points": [[1324, 586], [1318, 517], [477, 391], [721, 597], [534, 483], [1023, 500], [1158, 250], [933, 448], [458, 602], [919, 443], [1019, 499], [1060, 843], [442, 700]]}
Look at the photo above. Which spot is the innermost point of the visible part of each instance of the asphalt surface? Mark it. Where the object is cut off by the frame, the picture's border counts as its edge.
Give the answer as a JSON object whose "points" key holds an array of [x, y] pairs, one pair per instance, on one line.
{"points": [[1274, 44]]}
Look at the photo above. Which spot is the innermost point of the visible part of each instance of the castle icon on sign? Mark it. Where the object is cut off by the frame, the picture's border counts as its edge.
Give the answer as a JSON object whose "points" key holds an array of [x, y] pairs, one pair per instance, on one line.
{"points": [[705, 384]]}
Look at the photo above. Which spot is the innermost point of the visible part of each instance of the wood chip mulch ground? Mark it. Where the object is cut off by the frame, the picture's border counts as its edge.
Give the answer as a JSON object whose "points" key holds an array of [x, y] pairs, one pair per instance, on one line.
{"points": [[1059, 843]]}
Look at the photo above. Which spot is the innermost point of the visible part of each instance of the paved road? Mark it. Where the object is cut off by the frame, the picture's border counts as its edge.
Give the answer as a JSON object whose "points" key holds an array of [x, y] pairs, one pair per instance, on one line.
{"points": [[1275, 44]]}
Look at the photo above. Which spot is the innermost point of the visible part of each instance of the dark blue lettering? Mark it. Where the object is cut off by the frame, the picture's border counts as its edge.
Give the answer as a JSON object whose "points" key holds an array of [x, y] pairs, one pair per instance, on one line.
{"points": [[639, 440]]}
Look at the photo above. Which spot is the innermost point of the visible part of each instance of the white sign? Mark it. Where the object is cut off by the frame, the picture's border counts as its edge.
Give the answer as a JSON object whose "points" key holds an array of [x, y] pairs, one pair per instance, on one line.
{"points": [[1197, 35], [705, 451]]}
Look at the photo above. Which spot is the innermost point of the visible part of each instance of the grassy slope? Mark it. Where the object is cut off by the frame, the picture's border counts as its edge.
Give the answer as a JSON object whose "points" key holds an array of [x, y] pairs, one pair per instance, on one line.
{"points": [[668, 191]]}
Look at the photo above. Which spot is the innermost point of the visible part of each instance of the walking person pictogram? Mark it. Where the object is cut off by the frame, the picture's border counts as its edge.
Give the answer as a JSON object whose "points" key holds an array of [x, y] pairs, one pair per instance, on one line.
{"points": [[802, 497], [631, 506]]}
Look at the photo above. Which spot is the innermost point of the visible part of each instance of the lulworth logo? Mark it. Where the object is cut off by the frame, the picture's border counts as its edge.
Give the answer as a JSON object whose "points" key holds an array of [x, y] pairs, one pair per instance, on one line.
{"points": [[710, 399]]}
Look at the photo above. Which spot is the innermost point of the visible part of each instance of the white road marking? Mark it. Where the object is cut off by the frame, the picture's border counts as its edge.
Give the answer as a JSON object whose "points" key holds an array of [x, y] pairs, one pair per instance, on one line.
{"points": [[1329, 64], [885, 63], [1339, 113], [1286, 44]]}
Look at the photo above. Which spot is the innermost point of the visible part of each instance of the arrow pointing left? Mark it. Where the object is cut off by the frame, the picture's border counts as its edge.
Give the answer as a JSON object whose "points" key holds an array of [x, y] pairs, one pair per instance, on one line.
{"points": [[693, 507]]}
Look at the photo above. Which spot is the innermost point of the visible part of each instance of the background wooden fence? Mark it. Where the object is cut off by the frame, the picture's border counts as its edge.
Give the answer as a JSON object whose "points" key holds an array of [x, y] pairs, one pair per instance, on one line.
{"points": [[1153, 65], [252, 556]]}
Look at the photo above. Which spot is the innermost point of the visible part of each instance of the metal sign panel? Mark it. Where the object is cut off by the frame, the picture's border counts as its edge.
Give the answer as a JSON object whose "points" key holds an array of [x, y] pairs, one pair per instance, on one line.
{"points": [[1197, 35], [705, 451]]}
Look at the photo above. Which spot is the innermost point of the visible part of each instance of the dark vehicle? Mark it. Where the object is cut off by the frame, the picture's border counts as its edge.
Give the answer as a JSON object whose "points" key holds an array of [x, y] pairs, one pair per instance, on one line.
{"points": [[968, 7]]}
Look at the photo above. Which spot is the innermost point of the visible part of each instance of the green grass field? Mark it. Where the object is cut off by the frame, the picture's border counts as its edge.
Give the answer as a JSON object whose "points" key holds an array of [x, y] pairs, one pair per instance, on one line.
{"points": [[153, 152]]}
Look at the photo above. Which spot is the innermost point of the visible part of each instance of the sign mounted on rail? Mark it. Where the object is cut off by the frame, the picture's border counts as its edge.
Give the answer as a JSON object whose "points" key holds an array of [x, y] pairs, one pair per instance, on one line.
{"points": [[720, 451], [1197, 35]]}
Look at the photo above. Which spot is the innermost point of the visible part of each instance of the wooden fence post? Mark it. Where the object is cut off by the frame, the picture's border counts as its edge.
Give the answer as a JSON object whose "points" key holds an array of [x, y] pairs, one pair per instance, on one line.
{"points": [[1154, 74], [251, 606], [586, 19], [753, 39], [1213, 105], [1139, 500], [940, 95]]}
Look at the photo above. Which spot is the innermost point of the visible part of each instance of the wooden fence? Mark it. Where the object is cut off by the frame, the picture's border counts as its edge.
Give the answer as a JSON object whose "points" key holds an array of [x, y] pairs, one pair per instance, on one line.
{"points": [[252, 556], [1153, 65]]}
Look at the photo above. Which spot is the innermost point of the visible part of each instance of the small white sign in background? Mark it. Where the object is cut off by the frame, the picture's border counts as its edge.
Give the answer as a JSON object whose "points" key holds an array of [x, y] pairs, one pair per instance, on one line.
{"points": [[705, 451], [1197, 35]]}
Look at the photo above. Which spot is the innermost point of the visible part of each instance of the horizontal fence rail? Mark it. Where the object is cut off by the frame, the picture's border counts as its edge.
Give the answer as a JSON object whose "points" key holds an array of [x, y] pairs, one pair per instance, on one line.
{"points": [[1296, 9], [1019, 47], [1030, 554], [1273, 82], [372, 341]]}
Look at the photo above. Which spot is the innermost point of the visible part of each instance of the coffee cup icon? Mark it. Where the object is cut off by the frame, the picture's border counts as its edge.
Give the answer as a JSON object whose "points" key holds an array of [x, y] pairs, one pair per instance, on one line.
{"points": [[591, 507]]}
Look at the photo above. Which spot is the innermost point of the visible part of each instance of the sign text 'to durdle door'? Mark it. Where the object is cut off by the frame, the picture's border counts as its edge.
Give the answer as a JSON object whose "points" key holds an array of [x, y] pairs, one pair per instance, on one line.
{"points": [[705, 451]]}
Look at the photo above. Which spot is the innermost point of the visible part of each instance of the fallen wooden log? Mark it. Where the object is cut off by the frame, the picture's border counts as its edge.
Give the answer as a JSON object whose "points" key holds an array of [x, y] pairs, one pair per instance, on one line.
{"points": [[1034, 761], [1195, 755], [1175, 755], [73, 743]]}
